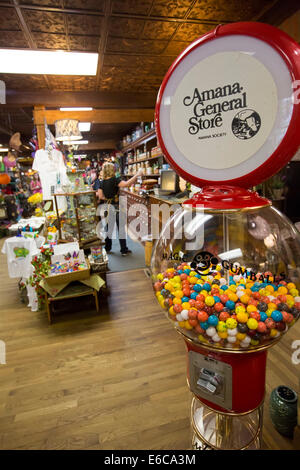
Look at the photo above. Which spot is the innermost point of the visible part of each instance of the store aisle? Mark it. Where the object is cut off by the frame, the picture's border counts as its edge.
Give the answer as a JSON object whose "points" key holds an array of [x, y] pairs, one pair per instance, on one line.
{"points": [[135, 260]]}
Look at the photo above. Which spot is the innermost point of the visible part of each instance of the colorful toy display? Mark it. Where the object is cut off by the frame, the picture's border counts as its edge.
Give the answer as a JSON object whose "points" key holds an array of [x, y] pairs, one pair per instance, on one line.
{"points": [[68, 267]]}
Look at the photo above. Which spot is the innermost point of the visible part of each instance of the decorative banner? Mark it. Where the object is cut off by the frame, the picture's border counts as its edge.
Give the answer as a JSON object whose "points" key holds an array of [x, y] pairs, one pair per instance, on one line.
{"points": [[226, 111]]}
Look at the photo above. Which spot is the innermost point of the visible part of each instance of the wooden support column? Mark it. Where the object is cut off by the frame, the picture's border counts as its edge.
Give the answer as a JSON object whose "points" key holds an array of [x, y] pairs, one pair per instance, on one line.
{"points": [[39, 121]]}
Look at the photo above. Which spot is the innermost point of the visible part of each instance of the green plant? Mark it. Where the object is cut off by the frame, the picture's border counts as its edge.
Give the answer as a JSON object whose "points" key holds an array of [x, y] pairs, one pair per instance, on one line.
{"points": [[41, 264], [278, 181]]}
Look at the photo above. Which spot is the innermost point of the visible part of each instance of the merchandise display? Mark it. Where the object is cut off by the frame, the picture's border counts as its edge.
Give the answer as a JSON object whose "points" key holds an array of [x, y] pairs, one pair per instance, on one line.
{"points": [[34, 224], [19, 252], [52, 171], [79, 220], [70, 267], [67, 262]]}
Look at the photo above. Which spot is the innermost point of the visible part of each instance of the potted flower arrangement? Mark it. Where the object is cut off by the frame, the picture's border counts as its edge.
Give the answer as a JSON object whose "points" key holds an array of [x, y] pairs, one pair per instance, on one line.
{"points": [[277, 186], [37, 200]]}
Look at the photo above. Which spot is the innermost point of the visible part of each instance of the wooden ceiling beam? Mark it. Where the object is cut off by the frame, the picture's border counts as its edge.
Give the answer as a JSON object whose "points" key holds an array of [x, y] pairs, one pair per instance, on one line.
{"points": [[56, 99], [97, 116], [102, 145]]}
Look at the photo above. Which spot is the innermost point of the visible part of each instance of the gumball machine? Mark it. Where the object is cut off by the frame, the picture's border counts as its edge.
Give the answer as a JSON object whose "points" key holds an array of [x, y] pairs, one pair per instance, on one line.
{"points": [[226, 267]]}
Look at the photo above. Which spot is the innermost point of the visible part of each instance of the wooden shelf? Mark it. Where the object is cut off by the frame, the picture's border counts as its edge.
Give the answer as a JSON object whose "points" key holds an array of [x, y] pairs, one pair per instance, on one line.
{"points": [[145, 159], [145, 176], [145, 137]]}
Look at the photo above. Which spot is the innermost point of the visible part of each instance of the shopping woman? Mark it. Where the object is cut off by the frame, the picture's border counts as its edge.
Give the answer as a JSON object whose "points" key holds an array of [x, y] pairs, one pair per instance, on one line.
{"points": [[109, 192]]}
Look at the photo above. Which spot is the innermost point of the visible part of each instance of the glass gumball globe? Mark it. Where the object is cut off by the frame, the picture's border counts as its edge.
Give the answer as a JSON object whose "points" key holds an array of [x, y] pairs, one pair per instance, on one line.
{"points": [[229, 279]]}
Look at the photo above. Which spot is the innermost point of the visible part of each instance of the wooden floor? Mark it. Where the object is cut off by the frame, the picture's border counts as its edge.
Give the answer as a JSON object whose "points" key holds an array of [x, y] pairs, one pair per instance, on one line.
{"points": [[114, 381]]}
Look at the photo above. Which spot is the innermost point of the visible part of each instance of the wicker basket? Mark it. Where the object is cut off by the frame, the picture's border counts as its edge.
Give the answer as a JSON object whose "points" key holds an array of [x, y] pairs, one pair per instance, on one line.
{"points": [[98, 267]]}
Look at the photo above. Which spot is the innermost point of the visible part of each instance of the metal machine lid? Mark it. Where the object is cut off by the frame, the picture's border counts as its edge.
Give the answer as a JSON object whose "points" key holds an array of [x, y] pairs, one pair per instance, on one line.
{"points": [[228, 108]]}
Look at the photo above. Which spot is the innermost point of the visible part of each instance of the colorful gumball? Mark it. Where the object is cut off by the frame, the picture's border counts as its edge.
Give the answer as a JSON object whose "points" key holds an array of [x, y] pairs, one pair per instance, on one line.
{"points": [[177, 308], [231, 323], [252, 324], [200, 298], [218, 307], [193, 314], [224, 316], [209, 301], [276, 315], [269, 322], [202, 316], [261, 327], [213, 320], [224, 298]]}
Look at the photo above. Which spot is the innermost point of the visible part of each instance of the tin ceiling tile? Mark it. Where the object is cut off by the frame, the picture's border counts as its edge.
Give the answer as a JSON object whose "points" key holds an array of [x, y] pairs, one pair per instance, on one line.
{"points": [[229, 10], [15, 39], [140, 7], [190, 32], [50, 41], [84, 43], [84, 24], [126, 27], [171, 8], [44, 21], [159, 29], [9, 20], [135, 46], [85, 4]]}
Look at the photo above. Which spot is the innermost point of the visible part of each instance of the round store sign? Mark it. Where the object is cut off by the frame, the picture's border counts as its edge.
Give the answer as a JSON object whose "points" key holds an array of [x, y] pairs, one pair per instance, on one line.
{"points": [[226, 111]]}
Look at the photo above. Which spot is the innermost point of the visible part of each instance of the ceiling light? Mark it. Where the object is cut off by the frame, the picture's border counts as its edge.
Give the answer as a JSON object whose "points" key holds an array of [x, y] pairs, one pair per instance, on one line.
{"points": [[76, 109], [67, 129], [84, 126], [75, 142], [3, 150], [48, 62]]}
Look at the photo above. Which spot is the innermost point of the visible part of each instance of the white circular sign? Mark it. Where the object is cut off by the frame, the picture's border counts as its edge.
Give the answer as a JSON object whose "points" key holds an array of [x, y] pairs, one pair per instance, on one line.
{"points": [[223, 110]]}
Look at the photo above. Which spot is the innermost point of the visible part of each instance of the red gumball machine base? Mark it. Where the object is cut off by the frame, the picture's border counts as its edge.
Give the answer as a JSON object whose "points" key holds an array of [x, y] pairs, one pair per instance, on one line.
{"points": [[228, 390], [227, 382]]}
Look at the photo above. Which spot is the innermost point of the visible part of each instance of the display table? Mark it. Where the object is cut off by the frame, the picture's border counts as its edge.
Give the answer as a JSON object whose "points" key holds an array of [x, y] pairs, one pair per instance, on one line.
{"points": [[71, 289], [70, 292]]}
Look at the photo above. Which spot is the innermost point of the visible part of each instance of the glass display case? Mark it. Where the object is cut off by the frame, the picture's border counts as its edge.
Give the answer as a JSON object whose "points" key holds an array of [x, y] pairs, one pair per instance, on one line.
{"points": [[77, 219]]}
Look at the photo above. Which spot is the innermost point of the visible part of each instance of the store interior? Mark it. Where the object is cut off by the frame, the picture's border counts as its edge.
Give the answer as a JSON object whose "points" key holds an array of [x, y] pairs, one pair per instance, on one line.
{"points": [[88, 360]]}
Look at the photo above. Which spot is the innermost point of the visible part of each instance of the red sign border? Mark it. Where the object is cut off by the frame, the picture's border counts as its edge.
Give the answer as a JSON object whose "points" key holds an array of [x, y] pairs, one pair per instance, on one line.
{"points": [[290, 52]]}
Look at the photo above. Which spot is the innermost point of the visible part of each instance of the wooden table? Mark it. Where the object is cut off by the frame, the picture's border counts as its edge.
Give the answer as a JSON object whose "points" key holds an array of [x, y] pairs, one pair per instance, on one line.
{"points": [[70, 292]]}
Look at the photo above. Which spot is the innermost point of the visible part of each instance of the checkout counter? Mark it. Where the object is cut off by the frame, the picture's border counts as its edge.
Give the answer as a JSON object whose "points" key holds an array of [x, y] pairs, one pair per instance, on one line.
{"points": [[149, 210]]}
